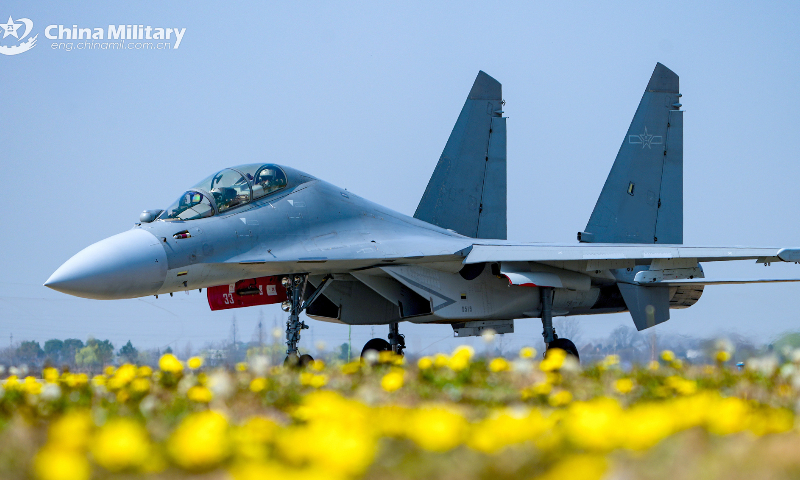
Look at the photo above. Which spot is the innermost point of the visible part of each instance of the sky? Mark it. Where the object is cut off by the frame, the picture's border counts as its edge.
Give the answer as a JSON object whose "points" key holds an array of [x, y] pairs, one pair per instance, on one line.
{"points": [[364, 95]]}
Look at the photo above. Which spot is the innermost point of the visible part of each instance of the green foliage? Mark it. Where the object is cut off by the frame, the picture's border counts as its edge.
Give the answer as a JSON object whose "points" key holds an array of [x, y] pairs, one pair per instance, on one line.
{"points": [[30, 352], [87, 357], [104, 350], [128, 353]]}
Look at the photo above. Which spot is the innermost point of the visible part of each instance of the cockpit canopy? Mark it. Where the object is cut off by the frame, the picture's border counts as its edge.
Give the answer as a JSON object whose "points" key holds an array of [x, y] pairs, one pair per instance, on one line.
{"points": [[226, 189]]}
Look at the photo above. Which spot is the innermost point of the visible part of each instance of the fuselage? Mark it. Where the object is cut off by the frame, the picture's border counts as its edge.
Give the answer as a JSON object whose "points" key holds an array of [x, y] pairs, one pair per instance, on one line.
{"points": [[316, 228]]}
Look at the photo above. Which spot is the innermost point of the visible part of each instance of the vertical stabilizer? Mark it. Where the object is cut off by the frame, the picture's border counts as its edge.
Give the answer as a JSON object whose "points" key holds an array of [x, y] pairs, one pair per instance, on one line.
{"points": [[642, 199], [467, 191]]}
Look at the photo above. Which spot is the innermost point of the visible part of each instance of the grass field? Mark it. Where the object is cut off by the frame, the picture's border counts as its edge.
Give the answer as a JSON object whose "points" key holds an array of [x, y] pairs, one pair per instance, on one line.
{"points": [[449, 416]]}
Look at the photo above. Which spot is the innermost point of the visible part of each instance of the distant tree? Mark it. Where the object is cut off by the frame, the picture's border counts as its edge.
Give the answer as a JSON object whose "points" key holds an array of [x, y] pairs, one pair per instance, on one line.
{"points": [[70, 349], [105, 350], [52, 350], [167, 350], [87, 357], [344, 352], [569, 327], [30, 352], [128, 353]]}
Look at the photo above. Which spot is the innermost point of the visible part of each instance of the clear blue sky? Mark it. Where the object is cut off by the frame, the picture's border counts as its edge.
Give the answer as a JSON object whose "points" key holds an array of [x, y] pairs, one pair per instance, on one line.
{"points": [[364, 96]]}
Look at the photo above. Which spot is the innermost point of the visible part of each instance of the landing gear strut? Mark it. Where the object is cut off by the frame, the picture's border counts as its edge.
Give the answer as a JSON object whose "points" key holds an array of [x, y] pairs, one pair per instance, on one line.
{"points": [[551, 340], [396, 343], [295, 287]]}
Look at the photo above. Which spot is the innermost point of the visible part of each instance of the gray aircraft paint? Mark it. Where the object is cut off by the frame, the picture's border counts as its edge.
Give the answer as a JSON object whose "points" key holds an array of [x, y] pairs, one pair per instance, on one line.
{"points": [[642, 199], [467, 192], [316, 228]]}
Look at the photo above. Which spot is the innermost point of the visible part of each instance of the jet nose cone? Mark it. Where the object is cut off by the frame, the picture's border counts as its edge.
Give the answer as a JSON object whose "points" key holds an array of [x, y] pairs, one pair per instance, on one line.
{"points": [[128, 265]]}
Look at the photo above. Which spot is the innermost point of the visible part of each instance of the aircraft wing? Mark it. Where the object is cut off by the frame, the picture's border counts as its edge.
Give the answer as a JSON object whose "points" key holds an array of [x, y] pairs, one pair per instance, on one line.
{"points": [[610, 255]]}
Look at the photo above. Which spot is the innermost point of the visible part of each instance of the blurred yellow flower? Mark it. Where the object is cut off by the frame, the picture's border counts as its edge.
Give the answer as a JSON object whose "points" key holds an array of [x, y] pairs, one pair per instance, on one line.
{"points": [[200, 442], [121, 444], [50, 375], [317, 365], [424, 363], [170, 363], [352, 367], [499, 364], [144, 371], [313, 380], [437, 429], [109, 370], [199, 394], [31, 386], [653, 365], [392, 380], [722, 356], [440, 360], [52, 463], [553, 360], [258, 384], [140, 385], [71, 431], [624, 385], [667, 355], [560, 398], [195, 363], [527, 352], [241, 367]]}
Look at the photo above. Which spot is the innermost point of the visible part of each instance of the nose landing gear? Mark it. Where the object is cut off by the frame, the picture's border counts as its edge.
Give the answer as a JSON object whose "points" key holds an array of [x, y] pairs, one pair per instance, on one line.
{"points": [[551, 340], [295, 286]]}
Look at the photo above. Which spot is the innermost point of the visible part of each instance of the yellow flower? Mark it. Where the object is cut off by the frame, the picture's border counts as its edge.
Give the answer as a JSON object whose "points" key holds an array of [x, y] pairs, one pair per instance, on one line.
{"points": [[352, 367], [667, 355], [50, 375], [553, 360], [11, 381], [109, 370], [170, 363], [440, 360], [313, 380], [31, 386], [252, 437], [71, 431], [436, 428], [200, 442], [624, 385], [527, 352], [258, 384], [722, 356], [610, 361], [195, 363], [241, 366], [499, 364], [317, 365], [653, 365], [52, 463], [199, 394], [121, 444], [424, 363], [140, 385], [392, 380], [144, 371], [560, 398]]}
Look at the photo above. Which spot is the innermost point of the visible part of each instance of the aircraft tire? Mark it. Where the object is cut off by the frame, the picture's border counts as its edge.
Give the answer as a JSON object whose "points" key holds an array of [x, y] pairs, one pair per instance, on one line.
{"points": [[305, 359], [566, 345], [377, 344]]}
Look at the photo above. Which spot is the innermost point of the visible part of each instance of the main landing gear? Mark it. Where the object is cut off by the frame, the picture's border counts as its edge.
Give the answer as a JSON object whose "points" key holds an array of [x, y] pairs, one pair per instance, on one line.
{"points": [[551, 340], [295, 287], [396, 343]]}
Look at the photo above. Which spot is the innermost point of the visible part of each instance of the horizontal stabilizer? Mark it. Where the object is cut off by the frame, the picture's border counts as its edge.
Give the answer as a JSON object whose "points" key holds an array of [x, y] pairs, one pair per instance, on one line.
{"points": [[649, 305]]}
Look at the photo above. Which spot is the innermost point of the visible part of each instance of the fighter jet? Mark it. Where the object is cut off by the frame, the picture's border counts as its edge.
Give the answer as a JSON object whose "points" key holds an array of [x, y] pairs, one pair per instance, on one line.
{"points": [[263, 233]]}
